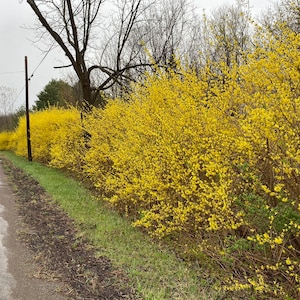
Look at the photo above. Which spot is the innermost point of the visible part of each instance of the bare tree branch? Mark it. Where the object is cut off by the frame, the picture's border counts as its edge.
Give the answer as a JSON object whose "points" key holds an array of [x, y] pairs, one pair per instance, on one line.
{"points": [[156, 25]]}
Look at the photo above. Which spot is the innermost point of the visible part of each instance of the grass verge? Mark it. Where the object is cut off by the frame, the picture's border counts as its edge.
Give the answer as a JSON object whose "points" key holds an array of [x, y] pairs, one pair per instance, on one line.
{"points": [[154, 271]]}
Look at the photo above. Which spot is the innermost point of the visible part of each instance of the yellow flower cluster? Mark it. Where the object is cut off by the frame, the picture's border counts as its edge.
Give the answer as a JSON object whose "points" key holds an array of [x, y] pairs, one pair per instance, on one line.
{"points": [[162, 157], [5, 138], [54, 133]]}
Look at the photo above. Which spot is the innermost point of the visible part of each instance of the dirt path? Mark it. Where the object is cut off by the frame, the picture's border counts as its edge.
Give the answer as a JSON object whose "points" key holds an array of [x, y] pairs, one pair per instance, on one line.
{"points": [[19, 274], [51, 262]]}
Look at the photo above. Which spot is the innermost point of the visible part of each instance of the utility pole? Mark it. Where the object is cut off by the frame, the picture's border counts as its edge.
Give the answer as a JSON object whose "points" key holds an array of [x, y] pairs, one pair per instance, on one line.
{"points": [[27, 112]]}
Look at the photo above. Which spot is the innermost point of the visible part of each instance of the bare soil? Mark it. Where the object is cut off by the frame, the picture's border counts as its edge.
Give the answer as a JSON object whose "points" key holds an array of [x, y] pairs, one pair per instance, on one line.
{"points": [[59, 248]]}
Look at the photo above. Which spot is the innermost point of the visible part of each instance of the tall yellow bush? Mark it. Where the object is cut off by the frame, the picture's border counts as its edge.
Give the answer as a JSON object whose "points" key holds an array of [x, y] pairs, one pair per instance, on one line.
{"points": [[46, 129], [68, 144], [209, 159], [161, 162], [5, 138], [215, 162]]}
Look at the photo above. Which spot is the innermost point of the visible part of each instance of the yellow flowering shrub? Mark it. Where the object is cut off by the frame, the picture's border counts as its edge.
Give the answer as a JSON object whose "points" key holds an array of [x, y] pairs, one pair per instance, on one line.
{"points": [[216, 161], [45, 129], [159, 160], [5, 138], [209, 159], [68, 144], [268, 120]]}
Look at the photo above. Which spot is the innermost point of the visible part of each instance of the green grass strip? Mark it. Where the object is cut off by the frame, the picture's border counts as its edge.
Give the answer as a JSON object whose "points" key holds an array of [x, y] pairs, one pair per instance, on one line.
{"points": [[154, 272]]}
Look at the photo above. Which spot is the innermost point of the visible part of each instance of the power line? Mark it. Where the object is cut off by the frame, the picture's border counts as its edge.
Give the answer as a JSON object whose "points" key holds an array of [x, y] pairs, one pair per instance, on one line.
{"points": [[38, 65], [20, 92], [12, 72], [41, 61], [44, 57], [16, 98]]}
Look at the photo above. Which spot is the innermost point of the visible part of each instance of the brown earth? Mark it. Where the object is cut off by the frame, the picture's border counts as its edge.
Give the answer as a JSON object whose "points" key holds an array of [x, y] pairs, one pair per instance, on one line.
{"points": [[58, 247]]}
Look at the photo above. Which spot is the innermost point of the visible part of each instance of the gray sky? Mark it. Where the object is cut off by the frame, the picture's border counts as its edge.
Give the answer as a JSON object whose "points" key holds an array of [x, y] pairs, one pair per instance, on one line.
{"points": [[257, 5], [17, 42]]}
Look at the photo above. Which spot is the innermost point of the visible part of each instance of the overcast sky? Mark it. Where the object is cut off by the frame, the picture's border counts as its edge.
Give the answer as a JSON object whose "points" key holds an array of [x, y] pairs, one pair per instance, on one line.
{"points": [[17, 42]]}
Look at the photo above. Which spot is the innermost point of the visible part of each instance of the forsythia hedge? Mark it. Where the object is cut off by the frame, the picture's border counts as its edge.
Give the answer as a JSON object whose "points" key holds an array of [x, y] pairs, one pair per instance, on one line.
{"points": [[210, 160], [5, 138], [50, 130]]}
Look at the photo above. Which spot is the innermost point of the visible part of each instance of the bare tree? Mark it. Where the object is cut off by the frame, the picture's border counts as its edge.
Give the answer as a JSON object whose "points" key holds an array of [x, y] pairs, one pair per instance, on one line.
{"points": [[108, 53], [161, 37], [165, 32], [165, 29], [283, 12], [6, 100], [74, 26], [123, 44], [6, 107], [226, 33]]}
